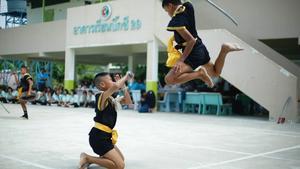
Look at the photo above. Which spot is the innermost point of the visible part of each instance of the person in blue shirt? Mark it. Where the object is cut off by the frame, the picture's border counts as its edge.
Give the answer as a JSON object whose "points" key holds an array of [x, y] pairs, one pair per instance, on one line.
{"points": [[42, 80], [141, 85], [194, 62], [133, 85]]}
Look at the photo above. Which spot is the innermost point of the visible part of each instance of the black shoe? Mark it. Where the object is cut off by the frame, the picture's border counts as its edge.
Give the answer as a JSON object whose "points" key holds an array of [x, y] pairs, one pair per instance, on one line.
{"points": [[25, 116]]}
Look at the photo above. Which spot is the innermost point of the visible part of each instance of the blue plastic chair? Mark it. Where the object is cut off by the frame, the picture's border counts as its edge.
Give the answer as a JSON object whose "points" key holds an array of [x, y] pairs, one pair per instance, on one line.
{"points": [[171, 100], [212, 99], [215, 100], [192, 99]]}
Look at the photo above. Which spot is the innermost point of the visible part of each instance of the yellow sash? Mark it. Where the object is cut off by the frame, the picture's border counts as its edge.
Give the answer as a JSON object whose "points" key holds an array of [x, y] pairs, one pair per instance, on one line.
{"points": [[19, 92], [106, 129], [173, 54]]}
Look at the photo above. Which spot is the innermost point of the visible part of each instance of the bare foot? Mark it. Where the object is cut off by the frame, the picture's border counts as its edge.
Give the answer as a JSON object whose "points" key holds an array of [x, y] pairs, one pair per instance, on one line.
{"points": [[230, 47], [83, 164], [205, 77]]}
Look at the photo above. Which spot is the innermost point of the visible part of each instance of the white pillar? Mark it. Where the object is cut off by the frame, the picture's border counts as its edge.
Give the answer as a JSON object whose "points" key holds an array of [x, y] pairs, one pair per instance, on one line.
{"points": [[152, 65], [130, 63], [69, 68]]}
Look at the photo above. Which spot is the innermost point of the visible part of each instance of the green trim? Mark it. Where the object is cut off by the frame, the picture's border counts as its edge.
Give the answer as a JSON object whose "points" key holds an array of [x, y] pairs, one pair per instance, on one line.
{"points": [[152, 85], [48, 15], [69, 84]]}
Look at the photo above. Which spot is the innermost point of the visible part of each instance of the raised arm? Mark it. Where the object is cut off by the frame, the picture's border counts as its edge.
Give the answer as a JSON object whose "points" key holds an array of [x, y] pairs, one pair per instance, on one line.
{"points": [[115, 87]]}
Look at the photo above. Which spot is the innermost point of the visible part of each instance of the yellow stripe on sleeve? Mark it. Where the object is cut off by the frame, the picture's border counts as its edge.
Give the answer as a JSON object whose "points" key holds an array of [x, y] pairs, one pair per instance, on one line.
{"points": [[176, 28]]}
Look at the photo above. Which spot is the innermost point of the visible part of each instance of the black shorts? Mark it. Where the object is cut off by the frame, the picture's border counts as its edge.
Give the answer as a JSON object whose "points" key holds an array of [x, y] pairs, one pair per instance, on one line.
{"points": [[24, 96], [198, 56], [100, 141]]}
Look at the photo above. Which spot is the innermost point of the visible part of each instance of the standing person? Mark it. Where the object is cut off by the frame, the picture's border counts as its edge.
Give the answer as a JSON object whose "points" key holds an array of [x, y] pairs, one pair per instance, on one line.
{"points": [[194, 62], [102, 137], [25, 90], [42, 80]]}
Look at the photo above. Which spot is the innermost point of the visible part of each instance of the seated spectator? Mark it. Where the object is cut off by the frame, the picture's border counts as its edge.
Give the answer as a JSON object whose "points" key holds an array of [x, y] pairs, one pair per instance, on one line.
{"points": [[49, 96], [147, 102], [83, 99], [2, 96], [66, 97], [61, 95], [11, 95], [74, 100], [55, 97], [41, 98], [91, 99]]}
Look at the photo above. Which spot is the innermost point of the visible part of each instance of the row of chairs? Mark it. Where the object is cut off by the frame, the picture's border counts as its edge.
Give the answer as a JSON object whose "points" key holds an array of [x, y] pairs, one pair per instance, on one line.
{"points": [[208, 103], [203, 102]]}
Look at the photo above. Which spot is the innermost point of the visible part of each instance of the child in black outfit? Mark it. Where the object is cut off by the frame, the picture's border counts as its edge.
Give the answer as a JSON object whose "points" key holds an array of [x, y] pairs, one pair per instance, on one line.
{"points": [[102, 137]]}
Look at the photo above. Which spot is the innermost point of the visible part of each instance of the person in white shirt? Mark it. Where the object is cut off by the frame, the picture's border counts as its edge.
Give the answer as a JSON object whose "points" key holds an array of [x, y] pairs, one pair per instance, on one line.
{"points": [[91, 99], [55, 97], [11, 95], [74, 100], [3, 96], [83, 99], [66, 98]]}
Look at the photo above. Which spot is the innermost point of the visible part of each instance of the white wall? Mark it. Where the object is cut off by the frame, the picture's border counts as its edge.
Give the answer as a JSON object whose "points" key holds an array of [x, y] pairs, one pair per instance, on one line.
{"points": [[261, 19], [161, 21], [257, 19], [60, 11], [256, 75], [2, 22], [88, 15], [35, 38]]}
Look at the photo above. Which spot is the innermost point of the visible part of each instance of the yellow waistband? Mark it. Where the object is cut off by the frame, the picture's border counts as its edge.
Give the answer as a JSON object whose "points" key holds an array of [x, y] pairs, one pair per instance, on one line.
{"points": [[107, 129]]}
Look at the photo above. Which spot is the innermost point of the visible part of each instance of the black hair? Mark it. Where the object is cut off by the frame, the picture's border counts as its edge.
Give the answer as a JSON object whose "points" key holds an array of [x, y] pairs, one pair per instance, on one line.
{"points": [[91, 91], [98, 77], [23, 66], [74, 91], [113, 76], [174, 2], [66, 91]]}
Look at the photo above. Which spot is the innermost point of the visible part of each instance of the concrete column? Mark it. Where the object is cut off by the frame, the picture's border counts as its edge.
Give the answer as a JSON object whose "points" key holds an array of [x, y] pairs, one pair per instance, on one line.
{"points": [[152, 66], [130, 63], [69, 68]]}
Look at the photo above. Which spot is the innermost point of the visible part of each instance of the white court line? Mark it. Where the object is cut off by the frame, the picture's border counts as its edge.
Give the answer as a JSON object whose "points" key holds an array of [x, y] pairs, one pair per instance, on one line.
{"points": [[280, 158], [279, 133], [197, 147], [25, 162], [245, 158], [222, 150], [208, 148]]}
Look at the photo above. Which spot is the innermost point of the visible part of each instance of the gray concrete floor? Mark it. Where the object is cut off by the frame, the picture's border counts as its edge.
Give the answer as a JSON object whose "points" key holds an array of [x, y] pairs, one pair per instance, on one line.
{"points": [[54, 137]]}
